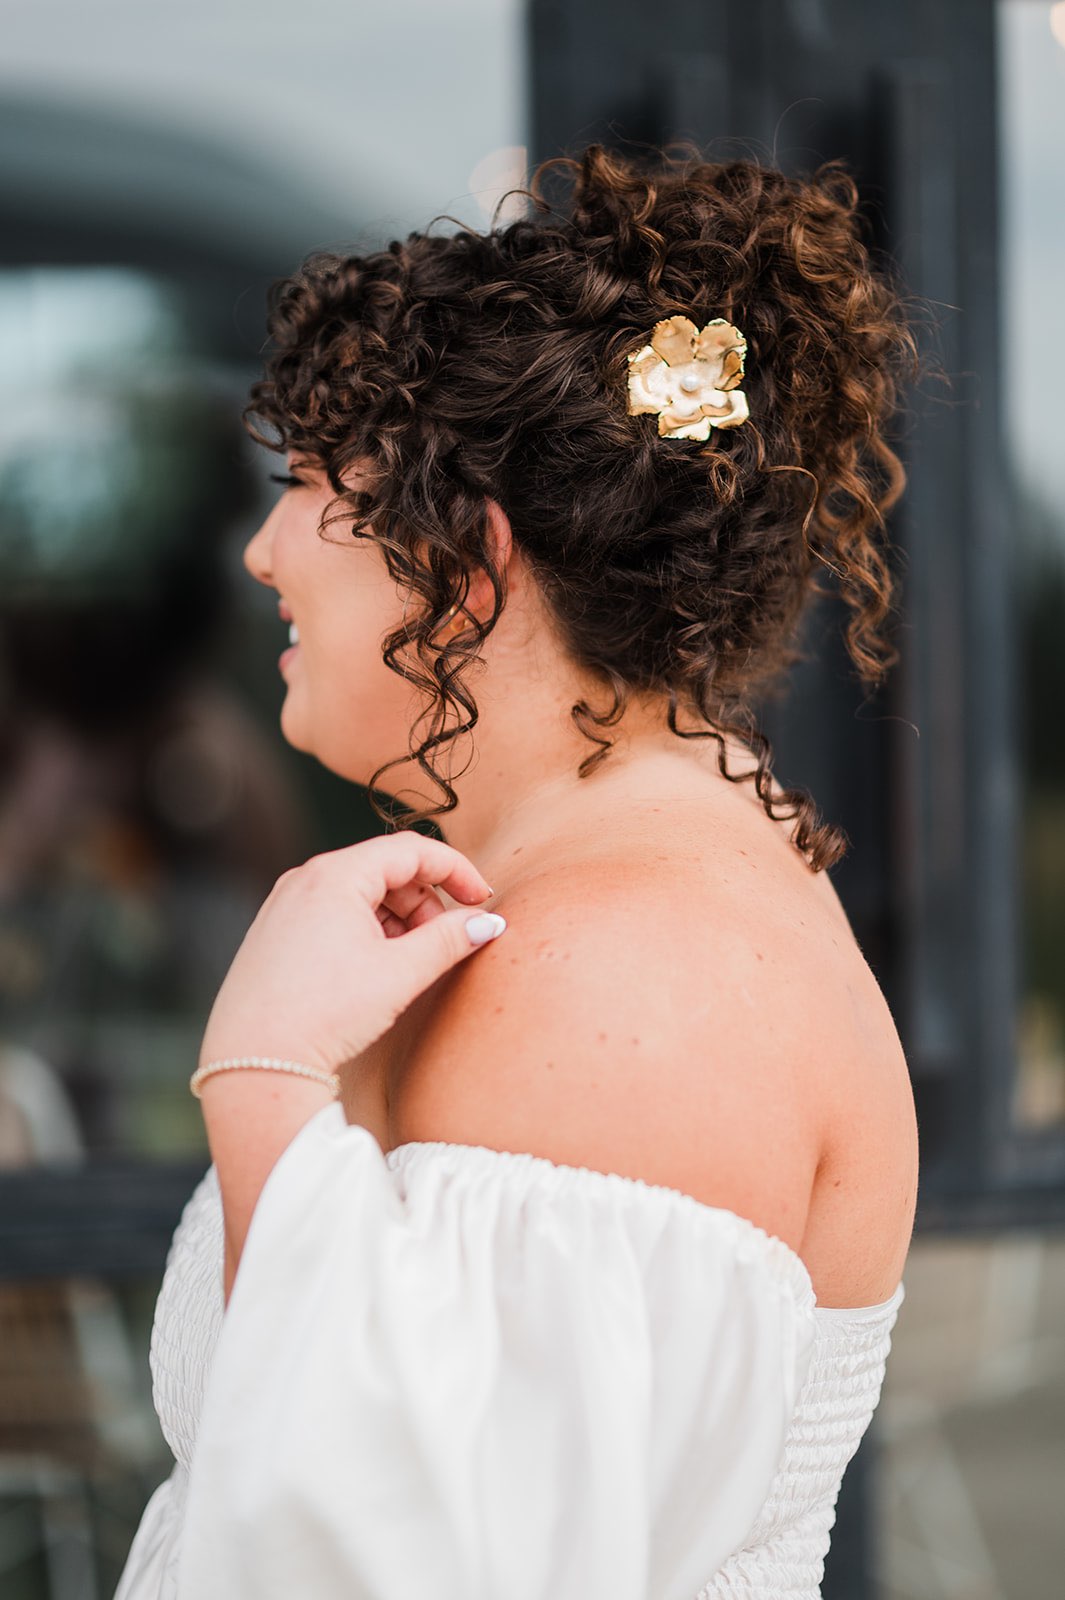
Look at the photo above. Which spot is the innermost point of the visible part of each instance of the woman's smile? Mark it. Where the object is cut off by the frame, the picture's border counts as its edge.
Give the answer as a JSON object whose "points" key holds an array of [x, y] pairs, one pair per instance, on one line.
{"points": [[293, 633]]}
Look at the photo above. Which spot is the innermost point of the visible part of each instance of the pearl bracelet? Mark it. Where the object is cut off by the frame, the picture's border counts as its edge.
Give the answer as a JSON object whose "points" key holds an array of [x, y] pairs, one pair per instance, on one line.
{"points": [[329, 1079]]}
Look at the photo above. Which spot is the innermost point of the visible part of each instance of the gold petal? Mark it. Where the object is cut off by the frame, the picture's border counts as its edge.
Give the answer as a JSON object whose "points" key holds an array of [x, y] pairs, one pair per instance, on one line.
{"points": [[718, 335], [640, 401], [731, 369], [724, 345], [674, 340], [738, 411], [685, 429], [641, 397]]}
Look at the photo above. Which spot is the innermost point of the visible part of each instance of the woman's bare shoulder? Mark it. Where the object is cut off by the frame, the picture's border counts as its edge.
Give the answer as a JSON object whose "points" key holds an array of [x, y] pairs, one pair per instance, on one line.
{"points": [[642, 1014]]}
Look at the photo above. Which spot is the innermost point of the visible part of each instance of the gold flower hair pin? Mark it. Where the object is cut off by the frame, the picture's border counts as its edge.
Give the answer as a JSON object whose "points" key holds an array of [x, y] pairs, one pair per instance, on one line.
{"points": [[690, 378]]}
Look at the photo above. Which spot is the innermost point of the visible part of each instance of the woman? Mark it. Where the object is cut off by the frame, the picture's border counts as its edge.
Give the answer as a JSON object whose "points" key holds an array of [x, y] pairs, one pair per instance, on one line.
{"points": [[586, 1285]]}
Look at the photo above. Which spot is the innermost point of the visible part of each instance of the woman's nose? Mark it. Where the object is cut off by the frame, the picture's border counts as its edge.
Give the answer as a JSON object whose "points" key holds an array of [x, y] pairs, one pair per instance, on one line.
{"points": [[257, 554]]}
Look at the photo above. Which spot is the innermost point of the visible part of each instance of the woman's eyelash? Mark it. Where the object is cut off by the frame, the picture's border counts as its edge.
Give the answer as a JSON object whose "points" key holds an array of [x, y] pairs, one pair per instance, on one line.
{"points": [[288, 480]]}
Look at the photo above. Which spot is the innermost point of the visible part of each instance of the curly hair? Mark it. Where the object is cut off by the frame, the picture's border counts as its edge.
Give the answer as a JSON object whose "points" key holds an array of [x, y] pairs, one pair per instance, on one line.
{"points": [[461, 367]]}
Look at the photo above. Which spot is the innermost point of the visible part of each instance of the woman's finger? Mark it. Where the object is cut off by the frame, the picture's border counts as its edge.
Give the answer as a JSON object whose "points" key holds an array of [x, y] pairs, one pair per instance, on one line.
{"points": [[404, 909], [413, 900], [394, 861]]}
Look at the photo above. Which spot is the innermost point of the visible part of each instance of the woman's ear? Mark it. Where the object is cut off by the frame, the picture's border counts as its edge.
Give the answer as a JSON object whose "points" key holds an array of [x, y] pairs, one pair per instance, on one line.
{"points": [[501, 544]]}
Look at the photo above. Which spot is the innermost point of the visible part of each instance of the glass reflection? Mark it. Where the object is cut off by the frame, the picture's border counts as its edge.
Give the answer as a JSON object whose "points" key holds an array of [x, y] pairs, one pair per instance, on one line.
{"points": [[143, 814]]}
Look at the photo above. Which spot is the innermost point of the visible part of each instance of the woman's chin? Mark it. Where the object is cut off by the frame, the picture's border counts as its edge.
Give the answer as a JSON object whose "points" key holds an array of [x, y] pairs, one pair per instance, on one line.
{"points": [[293, 726]]}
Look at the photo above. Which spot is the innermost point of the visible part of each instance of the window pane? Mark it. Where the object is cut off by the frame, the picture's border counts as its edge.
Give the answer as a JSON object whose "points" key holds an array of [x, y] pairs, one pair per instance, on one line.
{"points": [[145, 811], [971, 1423], [80, 1447], [1031, 39]]}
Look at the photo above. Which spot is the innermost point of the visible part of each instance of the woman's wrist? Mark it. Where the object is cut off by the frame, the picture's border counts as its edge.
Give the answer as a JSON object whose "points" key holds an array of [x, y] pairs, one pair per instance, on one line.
{"points": [[250, 1119]]}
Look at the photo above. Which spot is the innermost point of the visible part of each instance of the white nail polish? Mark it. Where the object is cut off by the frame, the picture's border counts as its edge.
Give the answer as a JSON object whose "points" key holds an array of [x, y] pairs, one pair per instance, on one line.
{"points": [[484, 926]]}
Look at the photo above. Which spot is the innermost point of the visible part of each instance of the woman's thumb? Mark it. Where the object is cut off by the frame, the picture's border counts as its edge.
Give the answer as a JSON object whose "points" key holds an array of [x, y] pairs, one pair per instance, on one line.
{"points": [[481, 927], [430, 950]]}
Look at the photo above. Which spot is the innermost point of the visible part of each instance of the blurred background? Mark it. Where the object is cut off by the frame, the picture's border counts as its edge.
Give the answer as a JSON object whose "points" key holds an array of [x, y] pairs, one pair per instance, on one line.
{"points": [[160, 166]]}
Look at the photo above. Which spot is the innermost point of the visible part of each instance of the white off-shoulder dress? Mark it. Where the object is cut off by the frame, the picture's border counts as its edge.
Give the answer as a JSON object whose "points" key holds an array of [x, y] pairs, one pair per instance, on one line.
{"points": [[455, 1373]]}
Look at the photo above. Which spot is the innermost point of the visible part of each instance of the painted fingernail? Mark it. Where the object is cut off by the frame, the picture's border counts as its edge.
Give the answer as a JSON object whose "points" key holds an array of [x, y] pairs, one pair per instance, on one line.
{"points": [[484, 926]]}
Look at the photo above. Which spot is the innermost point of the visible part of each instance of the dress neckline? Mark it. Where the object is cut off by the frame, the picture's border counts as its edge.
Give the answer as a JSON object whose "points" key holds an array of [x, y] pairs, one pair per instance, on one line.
{"points": [[413, 1149]]}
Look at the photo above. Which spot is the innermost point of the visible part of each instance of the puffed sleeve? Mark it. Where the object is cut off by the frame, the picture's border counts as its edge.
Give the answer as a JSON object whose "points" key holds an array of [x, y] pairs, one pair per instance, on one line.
{"points": [[150, 1561], [477, 1375]]}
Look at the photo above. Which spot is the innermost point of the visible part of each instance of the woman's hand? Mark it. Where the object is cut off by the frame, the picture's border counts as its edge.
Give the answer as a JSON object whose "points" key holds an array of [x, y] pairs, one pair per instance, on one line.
{"points": [[340, 947]]}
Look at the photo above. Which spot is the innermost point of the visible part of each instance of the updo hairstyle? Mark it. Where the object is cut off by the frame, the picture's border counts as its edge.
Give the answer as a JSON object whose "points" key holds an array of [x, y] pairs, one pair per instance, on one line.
{"points": [[456, 367]]}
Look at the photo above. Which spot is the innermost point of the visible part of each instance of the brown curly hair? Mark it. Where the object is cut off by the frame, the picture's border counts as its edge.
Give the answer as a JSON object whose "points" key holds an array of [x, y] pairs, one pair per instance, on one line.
{"points": [[465, 366]]}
